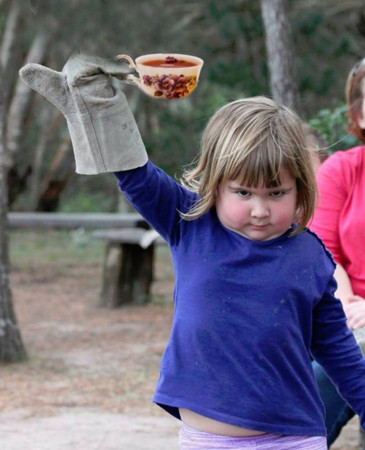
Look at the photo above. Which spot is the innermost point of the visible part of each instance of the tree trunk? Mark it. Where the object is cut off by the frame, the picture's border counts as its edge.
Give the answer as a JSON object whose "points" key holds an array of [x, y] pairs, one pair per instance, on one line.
{"points": [[18, 111], [55, 181], [51, 120], [280, 59], [9, 45], [11, 344], [22, 98]]}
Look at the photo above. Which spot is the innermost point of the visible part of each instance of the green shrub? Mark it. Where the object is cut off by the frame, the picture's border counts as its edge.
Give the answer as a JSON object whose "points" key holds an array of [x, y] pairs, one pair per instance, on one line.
{"points": [[331, 123]]}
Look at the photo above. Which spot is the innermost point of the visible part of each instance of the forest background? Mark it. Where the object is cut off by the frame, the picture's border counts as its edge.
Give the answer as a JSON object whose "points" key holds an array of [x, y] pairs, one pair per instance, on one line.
{"points": [[37, 173], [328, 37]]}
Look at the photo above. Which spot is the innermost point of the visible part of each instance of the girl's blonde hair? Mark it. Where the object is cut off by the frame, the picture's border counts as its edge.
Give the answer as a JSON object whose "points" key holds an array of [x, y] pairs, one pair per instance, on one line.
{"points": [[252, 139], [355, 92]]}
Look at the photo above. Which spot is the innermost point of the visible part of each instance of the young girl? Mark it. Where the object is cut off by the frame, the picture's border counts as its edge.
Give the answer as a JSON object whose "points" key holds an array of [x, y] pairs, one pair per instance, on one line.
{"points": [[254, 296], [254, 289]]}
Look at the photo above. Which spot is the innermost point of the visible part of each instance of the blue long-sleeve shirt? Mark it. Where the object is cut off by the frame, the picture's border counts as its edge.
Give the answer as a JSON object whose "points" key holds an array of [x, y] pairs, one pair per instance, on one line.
{"points": [[248, 318]]}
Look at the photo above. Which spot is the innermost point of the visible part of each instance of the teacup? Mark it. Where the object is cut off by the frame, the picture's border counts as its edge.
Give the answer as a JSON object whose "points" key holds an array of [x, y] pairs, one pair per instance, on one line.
{"points": [[165, 75]]}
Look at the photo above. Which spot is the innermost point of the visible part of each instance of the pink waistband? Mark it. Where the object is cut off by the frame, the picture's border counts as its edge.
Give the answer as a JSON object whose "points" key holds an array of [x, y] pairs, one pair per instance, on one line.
{"points": [[191, 439]]}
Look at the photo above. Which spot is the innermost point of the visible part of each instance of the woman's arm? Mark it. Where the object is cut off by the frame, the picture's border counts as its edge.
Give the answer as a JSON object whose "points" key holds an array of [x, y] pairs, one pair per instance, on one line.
{"points": [[354, 305], [355, 312], [344, 289], [332, 197], [332, 182], [334, 347]]}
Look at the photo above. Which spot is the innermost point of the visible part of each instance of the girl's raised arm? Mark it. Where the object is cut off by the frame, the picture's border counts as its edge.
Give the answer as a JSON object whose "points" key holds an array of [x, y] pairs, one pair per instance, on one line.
{"points": [[105, 136]]}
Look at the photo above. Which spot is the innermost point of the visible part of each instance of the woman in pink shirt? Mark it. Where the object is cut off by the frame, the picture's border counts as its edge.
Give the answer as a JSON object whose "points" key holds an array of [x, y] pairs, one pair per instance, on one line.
{"points": [[340, 222]]}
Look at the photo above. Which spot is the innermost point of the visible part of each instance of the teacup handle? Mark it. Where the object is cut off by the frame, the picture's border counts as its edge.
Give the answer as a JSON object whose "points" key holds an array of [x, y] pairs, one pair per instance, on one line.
{"points": [[131, 79]]}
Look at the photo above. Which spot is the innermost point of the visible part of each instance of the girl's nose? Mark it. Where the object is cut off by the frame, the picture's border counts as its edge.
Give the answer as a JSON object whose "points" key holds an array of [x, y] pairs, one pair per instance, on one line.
{"points": [[259, 209]]}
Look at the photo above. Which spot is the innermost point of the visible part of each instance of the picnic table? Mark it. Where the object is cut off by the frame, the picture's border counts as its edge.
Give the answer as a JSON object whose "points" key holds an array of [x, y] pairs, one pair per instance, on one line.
{"points": [[128, 265], [129, 252]]}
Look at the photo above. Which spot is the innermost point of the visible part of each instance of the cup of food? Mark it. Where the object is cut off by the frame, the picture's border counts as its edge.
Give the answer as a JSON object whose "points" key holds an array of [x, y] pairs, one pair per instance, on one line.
{"points": [[165, 75]]}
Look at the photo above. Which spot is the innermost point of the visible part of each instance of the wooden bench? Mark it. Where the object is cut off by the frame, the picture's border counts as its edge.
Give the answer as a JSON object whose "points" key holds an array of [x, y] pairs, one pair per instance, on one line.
{"points": [[128, 265], [74, 220], [129, 254]]}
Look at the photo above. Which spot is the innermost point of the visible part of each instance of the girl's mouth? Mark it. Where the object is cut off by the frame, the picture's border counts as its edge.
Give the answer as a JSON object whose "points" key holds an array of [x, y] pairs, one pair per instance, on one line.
{"points": [[259, 227]]}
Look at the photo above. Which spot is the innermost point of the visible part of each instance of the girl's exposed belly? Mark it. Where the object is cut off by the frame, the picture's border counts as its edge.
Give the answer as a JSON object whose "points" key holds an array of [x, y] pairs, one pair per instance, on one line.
{"points": [[202, 423]]}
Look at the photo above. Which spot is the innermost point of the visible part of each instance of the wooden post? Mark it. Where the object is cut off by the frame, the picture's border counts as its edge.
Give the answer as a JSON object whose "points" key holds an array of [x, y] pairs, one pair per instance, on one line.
{"points": [[128, 274]]}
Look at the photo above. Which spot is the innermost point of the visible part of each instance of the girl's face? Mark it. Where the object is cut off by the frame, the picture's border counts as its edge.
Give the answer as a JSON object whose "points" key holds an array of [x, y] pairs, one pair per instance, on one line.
{"points": [[257, 213]]}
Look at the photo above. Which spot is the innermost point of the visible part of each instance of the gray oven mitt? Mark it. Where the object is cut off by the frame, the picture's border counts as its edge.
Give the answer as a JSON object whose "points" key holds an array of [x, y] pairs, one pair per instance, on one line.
{"points": [[104, 134]]}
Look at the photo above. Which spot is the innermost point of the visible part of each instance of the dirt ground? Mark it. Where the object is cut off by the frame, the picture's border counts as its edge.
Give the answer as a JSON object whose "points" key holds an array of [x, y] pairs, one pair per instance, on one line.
{"points": [[91, 372]]}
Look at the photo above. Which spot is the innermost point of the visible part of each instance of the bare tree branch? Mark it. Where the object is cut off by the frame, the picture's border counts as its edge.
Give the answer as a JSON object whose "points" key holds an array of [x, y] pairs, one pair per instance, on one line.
{"points": [[51, 119], [11, 345], [10, 32], [10, 42], [22, 98], [330, 7], [55, 181]]}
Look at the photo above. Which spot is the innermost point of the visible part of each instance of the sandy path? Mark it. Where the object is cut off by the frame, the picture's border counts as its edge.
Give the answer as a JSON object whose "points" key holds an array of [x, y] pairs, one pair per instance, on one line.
{"points": [[91, 371], [85, 429]]}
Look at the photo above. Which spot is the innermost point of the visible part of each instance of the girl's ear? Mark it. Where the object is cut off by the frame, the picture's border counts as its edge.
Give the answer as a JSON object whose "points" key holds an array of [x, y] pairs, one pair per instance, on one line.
{"points": [[298, 214]]}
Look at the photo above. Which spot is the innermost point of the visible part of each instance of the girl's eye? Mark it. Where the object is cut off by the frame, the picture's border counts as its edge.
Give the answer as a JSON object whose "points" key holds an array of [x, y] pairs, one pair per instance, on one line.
{"points": [[244, 194], [277, 194]]}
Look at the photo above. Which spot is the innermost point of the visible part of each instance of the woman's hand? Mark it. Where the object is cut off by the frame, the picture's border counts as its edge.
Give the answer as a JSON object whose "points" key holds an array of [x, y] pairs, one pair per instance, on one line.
{"points": [[354, 307]]}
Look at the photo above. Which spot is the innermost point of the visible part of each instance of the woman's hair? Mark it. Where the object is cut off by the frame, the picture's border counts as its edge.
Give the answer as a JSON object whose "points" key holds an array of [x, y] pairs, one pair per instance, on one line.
{"points": [[316, 142], [252, 139], [355, 91]]}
